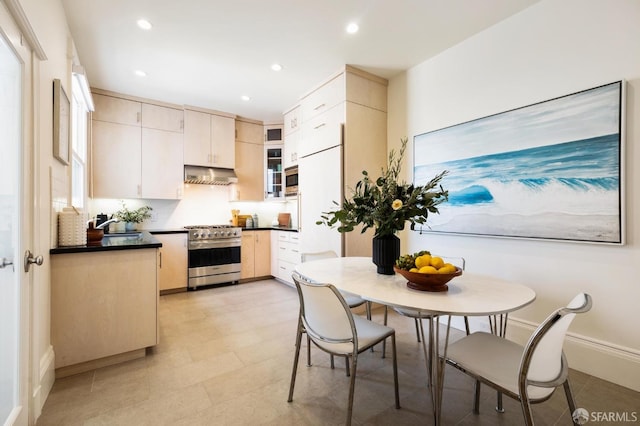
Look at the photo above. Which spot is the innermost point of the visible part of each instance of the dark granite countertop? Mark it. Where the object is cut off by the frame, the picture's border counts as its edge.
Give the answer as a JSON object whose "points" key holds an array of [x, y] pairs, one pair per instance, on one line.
{"points": [[114, 242], [272, 228]]}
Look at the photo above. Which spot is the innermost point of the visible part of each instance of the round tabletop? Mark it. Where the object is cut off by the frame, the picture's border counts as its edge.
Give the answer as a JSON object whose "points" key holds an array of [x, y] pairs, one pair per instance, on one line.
{"points": [[469, 294]]}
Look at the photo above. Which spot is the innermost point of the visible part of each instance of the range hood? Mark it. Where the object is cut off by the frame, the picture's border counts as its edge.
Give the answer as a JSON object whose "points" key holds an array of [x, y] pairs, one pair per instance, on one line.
{"points": [[209, 175]]}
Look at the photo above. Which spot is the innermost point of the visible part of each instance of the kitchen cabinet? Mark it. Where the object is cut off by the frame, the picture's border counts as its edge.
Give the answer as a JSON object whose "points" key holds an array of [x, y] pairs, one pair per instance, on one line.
{"points": [[255, 254], [273, 134], [172, 262], [104, 307], [249, 162], [274, 179], [209, 139], [291, 137], [137, 149], [287, 255], [344, 132]]}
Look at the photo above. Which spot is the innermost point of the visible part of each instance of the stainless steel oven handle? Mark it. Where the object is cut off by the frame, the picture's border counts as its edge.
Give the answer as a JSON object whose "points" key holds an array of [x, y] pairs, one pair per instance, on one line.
{"points": [[213, 244]]}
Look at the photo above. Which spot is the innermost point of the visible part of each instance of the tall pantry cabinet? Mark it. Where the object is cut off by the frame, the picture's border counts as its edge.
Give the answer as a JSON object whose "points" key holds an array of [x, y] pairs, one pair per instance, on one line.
{"points": [[343, 132]]}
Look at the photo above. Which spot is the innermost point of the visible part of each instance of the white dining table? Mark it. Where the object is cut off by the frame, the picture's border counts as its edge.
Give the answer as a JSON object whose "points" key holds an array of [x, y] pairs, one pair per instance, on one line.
{"points": [[468, 295]]}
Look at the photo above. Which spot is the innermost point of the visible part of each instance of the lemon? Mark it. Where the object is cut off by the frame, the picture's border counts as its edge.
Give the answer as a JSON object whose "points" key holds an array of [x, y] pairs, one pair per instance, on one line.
{"points": [[447, 269], [428, 270], [413, 270], [436, 262], [423, 260]]}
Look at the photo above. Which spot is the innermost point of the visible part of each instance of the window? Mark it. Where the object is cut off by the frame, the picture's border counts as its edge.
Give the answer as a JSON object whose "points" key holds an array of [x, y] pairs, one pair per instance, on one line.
{"points": [[81, 104]]}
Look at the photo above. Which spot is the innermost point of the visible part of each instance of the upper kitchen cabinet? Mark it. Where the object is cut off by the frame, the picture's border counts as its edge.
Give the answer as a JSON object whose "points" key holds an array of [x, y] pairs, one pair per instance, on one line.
{"points": [[209, 139], [136, 148], [249, 161], [292, 134], [273, 134]]}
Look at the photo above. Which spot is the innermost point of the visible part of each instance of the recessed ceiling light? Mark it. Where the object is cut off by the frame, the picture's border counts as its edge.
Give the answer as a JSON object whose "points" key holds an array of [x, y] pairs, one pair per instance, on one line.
{"points": [[276, 67], [352, 28], [245, 98], [144, 24], [140, 73]]}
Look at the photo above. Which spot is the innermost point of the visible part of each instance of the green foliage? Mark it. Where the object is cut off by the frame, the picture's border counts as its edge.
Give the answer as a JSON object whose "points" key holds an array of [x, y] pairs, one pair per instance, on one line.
{"points": [[134, 216], [387, 204]]}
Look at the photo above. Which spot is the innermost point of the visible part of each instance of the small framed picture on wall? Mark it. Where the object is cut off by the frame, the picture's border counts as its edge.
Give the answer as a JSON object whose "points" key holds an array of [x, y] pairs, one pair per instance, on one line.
{"points": [[61, 123]]}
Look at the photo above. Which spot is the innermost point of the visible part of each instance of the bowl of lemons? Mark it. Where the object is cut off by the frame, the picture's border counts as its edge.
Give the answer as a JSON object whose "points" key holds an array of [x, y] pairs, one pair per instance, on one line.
{"points": [[425, 272]]}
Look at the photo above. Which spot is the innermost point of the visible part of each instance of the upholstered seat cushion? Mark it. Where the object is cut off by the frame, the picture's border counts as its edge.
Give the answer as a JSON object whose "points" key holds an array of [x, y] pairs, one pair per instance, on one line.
{"points": [[494, 358]]}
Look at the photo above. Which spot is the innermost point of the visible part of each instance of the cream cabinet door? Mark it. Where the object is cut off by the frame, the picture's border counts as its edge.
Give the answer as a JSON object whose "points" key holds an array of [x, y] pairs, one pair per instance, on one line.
{"points": [[116, 110], [262, 253], [250, 171], [291, 142], [223, 150], [116, 160], [162, 165], [197, 138], [247, 255], [173, 268], [162, 118]]}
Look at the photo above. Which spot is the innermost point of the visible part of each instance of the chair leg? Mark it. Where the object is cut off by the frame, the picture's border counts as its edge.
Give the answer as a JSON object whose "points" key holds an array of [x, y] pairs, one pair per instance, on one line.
{"points": [[427, 352], [308, 351], [499, 406], [476, 398], [346, 365], [368, 307], [352, 386], [569, 394], [295, 363], [466, 325], [526, 410], [395, 369], [332, 365]]}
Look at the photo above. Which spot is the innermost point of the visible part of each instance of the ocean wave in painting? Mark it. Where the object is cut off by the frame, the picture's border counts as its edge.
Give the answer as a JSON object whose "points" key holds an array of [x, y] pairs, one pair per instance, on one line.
{"points": [[578, 178]]}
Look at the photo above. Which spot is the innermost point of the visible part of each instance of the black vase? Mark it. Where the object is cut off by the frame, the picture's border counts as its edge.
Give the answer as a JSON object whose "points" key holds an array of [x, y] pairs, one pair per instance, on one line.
{"points": [[386, 249]]}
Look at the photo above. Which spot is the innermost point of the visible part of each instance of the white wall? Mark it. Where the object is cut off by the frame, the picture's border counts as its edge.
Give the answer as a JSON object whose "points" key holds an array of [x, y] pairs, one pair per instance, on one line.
{"points": [[553, 48]]}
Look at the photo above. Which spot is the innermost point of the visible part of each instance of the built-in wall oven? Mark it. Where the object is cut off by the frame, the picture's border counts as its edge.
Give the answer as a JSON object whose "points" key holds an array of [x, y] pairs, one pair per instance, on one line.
{"points": [[291, 181], [213, 255]]}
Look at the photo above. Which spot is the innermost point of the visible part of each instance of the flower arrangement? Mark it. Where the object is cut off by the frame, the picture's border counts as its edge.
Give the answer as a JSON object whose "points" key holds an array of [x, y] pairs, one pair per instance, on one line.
{"points": [[133, 216], [386, 204]]}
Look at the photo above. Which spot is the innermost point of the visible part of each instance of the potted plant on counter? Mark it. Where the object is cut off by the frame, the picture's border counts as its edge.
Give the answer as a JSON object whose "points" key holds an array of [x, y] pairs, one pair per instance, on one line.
{"points": [[132, 217]]}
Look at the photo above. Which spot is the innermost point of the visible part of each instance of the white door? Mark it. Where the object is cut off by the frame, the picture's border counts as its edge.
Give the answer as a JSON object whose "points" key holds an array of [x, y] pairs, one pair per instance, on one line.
{"points": [[319, 184], [16, 214]]}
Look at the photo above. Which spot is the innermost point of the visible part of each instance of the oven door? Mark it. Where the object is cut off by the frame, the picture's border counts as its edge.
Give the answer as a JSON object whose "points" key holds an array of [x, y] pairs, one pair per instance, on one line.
{"points": [[214, 262]]}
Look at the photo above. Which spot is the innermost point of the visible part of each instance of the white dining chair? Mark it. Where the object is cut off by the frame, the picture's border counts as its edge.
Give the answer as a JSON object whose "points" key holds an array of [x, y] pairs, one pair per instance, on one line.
{"points": [[353, 300], [327, 319], [530, 373]]}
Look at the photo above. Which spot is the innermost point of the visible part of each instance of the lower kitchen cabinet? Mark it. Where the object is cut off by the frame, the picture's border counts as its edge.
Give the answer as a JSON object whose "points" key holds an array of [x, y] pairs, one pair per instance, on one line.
{"points": [[104, 307], [287, 256], [255, 254], [172, 271]]}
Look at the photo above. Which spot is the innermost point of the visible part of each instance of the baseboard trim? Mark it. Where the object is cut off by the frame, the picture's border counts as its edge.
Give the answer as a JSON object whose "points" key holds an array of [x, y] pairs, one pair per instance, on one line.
{"points": [[605, 360], [99, 363], [46, 377]]}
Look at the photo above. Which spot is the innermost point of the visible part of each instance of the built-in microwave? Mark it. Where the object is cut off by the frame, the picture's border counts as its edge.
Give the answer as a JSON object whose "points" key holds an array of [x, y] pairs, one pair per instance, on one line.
{"points": [[291, 181]]}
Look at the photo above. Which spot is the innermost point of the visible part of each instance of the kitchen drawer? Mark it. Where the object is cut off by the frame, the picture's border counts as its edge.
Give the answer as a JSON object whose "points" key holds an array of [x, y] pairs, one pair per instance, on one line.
{"points": [[323, 99], [323, 131], [288, 252], [285, 270]]}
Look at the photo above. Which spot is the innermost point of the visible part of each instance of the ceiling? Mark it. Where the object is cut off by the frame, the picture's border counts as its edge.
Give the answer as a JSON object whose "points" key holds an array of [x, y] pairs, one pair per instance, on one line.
{"points": [[208, 53]]}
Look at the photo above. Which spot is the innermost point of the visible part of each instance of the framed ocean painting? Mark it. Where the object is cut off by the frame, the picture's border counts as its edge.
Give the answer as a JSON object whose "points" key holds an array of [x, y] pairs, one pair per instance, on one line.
{"points": [[551, 170]]}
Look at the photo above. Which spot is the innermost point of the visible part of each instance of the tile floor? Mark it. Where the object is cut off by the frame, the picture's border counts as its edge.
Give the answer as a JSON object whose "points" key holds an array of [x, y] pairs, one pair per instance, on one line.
{"points": [[225, 358]]}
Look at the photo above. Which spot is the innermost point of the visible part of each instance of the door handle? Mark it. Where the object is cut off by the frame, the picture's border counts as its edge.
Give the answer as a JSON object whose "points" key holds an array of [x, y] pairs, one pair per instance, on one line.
{"points": [[29, 259]]}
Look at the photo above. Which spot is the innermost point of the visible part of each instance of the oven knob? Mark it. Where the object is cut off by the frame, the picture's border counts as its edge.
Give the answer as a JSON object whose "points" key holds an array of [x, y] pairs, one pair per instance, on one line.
{"points": [[228, 233], [215, 234], [209, 234], [195, 234]]}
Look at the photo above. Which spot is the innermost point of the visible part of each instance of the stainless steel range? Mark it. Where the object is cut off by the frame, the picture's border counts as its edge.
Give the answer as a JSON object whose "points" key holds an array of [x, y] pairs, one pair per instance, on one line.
{"points": [[214, 255]]}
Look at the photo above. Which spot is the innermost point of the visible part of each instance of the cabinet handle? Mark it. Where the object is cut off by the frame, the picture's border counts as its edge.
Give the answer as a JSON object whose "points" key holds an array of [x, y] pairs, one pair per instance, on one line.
{"points": [[319, 106], [160, 260], [138, 117], [319, 125], [181, 124], [139, 189]]}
